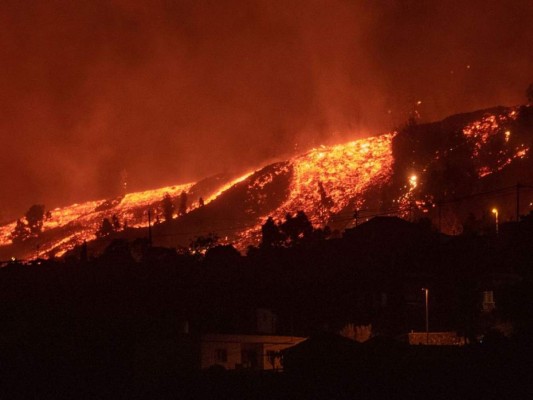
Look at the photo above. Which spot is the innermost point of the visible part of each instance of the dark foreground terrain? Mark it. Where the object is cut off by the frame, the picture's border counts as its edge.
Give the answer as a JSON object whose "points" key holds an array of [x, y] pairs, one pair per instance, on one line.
{"points": [[106, 368]]}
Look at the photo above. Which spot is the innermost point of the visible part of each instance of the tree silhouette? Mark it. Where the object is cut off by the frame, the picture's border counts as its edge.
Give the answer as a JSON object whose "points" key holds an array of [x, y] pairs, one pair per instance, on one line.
{"points": [[270, 234], [324, 198], [105, 229], [20, 233], [115, 222], [326, 201], [202, 244], [35, 217], [182, 210], [33, 226], [168, 207], [296, 228]]}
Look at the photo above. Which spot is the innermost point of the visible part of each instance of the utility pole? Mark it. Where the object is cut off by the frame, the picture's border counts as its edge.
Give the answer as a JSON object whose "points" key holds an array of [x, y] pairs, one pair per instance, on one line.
{"points": [[496, 219], [427, 315], [439, 205], [149, 228], [518, 186], [356, 216]]}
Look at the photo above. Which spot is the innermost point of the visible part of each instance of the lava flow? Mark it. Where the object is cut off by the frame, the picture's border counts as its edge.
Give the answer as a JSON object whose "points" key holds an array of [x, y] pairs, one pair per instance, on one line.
{"points": [[328, 180], [326, 183], [492, 127]]}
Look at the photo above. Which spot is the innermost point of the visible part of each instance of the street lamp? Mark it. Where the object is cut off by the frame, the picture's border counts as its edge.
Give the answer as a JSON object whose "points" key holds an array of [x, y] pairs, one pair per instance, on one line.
{"points": [[495, 212], [427, 314]]}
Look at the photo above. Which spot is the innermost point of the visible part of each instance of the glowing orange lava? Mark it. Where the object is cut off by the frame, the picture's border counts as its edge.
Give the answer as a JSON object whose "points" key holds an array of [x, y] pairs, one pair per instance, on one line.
{"points": [[324, 182], [344, 171], [480, 132], [79, 222], [327, 180]]}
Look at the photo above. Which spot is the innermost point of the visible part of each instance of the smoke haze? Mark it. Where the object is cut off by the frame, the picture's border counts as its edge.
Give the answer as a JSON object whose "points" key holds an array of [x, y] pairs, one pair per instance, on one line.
{"points": [[173, 91]]}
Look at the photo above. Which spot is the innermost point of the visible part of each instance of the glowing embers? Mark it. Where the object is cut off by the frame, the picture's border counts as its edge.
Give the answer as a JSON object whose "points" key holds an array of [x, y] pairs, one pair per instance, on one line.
{"points": [[483, 135], [5, 233], [413, 182], [411, 199]]}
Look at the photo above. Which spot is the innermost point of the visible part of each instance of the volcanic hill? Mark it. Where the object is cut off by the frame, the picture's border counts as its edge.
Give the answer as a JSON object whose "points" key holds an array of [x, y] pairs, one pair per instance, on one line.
{"points": [[447, 171]]}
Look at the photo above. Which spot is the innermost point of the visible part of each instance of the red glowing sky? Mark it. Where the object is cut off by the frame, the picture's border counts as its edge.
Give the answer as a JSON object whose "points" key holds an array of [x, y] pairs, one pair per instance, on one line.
{"points": [[173, 91]]}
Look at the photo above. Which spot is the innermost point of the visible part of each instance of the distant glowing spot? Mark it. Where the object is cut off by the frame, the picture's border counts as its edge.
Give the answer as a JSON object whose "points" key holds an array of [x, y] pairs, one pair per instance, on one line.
{"points": [[468, 67], [413, 181], [13, 259], [495, 211], [419, 102], [507, 136], [522, 153]]}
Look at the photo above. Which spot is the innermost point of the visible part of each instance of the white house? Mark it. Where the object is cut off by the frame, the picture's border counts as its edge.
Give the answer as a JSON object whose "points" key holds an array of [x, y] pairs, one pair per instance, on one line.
{"points": [[260, 352]]}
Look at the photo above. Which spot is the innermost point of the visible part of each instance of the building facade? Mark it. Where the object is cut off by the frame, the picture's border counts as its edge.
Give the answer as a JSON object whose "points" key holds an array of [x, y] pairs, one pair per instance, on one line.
{"points": [[258, 352]]}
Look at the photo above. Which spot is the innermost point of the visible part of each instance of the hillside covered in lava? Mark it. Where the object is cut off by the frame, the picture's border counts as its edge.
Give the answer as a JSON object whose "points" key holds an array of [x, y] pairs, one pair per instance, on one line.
{"points": [[452, 172]]}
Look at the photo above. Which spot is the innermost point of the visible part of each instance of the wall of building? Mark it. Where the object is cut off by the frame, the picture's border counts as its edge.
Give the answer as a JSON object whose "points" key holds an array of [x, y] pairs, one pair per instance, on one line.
{"points": [[244, 351], [435, 338]]}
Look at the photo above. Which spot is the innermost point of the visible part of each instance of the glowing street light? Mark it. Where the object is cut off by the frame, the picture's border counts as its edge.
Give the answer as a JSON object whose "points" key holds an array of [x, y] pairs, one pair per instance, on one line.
{"points": [[427, 314], [495, 212]]}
